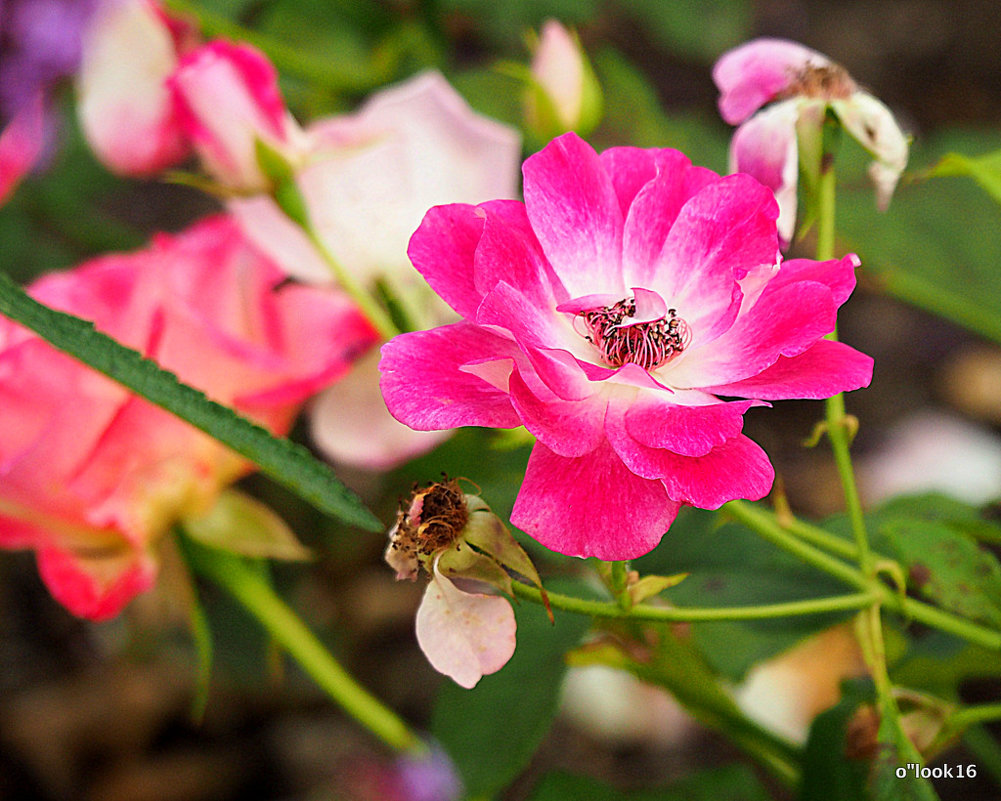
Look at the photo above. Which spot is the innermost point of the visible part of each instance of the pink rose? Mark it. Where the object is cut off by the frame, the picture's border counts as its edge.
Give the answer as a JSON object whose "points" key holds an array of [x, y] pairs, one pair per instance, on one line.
{"points": [[91, 476], [130, 47], [611, 314]]}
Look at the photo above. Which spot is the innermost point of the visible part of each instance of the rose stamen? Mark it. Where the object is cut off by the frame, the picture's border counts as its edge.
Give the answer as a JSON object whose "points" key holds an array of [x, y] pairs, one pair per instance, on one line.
{"points": [[649, 344]]}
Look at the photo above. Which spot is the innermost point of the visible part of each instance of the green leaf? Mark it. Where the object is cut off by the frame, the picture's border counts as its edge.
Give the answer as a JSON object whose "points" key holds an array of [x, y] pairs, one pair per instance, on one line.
{"points": [[949, 568], [695, 28], [731, 566], [895, 750], [985, 170], [239, 524], [935, 247], [491, 731], [731, 782], [832, 771], [286, 462]]}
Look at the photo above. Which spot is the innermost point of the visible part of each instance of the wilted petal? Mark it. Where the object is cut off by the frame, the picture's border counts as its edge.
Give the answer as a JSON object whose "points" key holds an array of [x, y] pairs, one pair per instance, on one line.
{"points": [[871, 123], [759, 71], [464, 635], [765, 146]]}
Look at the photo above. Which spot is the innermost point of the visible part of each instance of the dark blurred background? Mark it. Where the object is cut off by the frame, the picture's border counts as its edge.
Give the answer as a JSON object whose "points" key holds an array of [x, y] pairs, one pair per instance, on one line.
{"points": [[101, 712]]}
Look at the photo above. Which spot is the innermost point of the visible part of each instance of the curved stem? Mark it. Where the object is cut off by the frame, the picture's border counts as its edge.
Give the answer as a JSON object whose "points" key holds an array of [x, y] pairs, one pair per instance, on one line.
{"points": [[372, 309], [670, 614], [249, 587]]}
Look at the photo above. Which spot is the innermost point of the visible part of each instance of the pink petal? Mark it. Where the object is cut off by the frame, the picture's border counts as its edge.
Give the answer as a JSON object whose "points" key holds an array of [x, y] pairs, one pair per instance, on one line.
{"points": [[464, 635], [784, 322], [630, 169], [125, 107], [720, 235], [655, 207], [568, 428], [756, 72], [20, 145], [424, 387], [509, 251], [591, 505], [823, 370], [652, 419], [765, 146], [736, 469], [96, 587], [443, 249], [350, 423], [838, 274], [576, 216]]}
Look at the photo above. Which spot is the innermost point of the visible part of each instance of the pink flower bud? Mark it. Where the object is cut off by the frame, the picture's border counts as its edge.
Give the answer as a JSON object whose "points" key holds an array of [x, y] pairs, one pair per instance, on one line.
{"points": [[128, 116], [228, 98], [20, 145], [566, 95]]}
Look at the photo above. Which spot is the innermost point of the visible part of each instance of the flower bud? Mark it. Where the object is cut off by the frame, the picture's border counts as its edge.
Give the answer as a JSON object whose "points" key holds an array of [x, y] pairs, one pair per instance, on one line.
{"points": [[564, 94], [228, 98]]}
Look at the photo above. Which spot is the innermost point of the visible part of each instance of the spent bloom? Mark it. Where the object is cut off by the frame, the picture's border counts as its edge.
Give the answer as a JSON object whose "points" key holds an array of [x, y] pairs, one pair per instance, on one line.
{"points": [[611, 314], [91, 476], [775, 142], [451, 535]]}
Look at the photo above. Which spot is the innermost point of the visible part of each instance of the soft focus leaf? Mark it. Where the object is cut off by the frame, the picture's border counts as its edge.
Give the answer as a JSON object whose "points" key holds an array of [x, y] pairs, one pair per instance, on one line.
{"points": [[894, 750], [829, 774], [697, 28], [731, 782], [283, 460], [239, 524], [732, 566], [985, 170], [950, 569], [935, 247], [492, 731]]}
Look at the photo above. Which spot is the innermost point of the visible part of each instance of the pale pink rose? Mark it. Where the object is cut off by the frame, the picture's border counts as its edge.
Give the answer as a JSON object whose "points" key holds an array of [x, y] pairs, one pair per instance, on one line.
{"points": [[801, 84], [20, 145], [129, 119], [228, 98], [90, 476], [608, 314], [367, 180]]}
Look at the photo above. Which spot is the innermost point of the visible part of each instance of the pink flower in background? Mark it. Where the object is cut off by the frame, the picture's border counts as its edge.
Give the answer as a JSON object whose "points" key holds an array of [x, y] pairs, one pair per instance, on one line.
{"points": [[367, 179], [21, 143], [228, 97], [776, 141], [566, 95], [91, 476], [130, 48], [608, 314]]}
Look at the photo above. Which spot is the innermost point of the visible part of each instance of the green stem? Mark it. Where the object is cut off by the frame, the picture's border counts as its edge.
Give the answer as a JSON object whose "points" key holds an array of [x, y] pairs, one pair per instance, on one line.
{"points": [[972, 715], [248, 587], [372, 309], [985, 749], [768, 527], [666, 614]]}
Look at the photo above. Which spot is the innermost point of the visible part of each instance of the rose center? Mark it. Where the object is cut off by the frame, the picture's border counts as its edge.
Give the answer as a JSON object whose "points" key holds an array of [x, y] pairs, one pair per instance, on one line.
{"points": [[828, 82], [649, 343]]}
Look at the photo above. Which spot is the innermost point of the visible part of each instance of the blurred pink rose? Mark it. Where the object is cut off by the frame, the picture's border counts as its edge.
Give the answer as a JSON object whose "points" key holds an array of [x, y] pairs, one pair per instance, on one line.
{"points": [[91, 476], [130, 47], [227, 96]]}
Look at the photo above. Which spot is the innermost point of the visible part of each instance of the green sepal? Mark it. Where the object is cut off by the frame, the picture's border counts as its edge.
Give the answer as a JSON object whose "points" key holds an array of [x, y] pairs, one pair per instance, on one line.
{"points": [[241, 525], [460, 562], [649, 586]]}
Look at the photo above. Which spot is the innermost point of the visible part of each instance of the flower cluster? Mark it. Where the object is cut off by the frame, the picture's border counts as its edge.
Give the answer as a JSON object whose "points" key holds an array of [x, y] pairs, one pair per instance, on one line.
{"points": [[91, 476], [628, 314]]}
